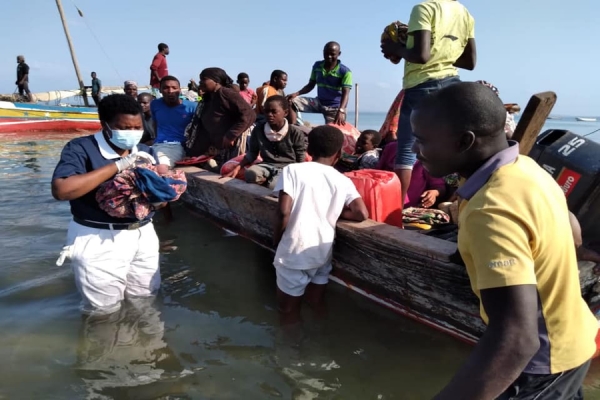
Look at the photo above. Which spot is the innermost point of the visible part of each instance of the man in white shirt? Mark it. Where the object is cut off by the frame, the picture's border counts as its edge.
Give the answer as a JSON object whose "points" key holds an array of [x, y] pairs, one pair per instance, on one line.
{"points": [[312, 196]]}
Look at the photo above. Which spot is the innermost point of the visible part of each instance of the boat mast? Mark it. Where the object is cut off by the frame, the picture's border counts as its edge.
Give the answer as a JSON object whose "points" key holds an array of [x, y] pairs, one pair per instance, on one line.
{"points": [[73, 57]]}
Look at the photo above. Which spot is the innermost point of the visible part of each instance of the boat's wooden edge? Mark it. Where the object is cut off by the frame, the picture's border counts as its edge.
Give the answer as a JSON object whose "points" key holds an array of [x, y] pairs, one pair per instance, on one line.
{"points": [[410, 241]]}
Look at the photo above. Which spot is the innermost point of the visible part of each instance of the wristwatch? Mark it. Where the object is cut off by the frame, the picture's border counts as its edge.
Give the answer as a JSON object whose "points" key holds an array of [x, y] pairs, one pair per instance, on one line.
{"points": [[342, 110]]}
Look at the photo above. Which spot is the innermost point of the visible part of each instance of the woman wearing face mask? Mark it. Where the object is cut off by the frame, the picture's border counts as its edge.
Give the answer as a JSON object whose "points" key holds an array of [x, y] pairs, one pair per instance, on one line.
{"points": [[112, 258]]}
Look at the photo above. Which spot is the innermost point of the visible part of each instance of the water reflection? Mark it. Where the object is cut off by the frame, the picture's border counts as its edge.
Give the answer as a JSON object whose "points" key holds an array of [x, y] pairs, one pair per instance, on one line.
{"points": [[122, 349]]}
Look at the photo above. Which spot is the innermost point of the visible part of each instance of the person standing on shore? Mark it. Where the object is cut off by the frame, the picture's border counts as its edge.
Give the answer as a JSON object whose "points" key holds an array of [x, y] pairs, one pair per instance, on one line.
{"points": [[333, 81], [441, 38], [515, 240], [23, 78], [96, 88], [159, 69]]}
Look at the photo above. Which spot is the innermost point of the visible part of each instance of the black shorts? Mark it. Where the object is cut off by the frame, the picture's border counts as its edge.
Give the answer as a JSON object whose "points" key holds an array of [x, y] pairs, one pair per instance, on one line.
{"points": [[562, 386]]}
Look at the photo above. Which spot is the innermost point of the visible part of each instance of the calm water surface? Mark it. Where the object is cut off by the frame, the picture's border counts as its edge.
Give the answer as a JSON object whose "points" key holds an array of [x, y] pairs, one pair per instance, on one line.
{"points": [[212, 334]]}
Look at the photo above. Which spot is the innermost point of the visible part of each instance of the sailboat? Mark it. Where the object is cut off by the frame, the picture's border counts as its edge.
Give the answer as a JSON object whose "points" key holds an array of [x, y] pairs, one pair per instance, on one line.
{"points": [[25, 117]]}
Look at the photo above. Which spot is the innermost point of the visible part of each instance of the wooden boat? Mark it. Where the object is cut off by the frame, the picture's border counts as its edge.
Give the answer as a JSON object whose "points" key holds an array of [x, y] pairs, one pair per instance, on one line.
{"points": [[584, 119], [21, 117], [410, 272]]}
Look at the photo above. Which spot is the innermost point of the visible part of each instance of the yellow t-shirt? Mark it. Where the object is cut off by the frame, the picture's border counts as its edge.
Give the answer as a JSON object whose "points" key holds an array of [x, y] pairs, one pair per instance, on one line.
{"points": [[451, 26], [515, 230]]}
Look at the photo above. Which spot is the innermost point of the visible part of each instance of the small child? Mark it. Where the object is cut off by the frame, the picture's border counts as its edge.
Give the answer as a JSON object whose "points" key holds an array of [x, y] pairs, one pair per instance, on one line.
{"points": [[367, 149], [366, 153], [312, 196], [246, 91]]}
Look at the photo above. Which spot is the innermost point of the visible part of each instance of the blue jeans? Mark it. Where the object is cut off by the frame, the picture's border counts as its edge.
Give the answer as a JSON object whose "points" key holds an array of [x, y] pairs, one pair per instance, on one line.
{"points": [[405, 158]]}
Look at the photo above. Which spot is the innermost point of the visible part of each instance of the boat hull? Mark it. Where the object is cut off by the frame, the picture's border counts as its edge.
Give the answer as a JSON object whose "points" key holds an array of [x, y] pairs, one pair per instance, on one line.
{"points": [[24, 117], [403, 270]]}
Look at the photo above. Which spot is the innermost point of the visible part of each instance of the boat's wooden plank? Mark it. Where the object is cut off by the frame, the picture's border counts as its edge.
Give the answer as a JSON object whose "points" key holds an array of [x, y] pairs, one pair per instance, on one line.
{"points": [[533, 119], [405, 268]]}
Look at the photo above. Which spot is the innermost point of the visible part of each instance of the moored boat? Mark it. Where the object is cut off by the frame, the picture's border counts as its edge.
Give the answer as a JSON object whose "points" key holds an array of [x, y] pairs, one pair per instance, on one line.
{"points": [[21, 117], [410, 272], [586, 119]]}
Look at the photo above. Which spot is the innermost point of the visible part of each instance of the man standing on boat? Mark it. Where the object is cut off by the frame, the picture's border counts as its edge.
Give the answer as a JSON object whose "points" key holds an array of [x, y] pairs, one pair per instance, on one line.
{"points": [[158, 68], [440, 39], [333, 81], [96, 88], [515, 239], [23, 78]]}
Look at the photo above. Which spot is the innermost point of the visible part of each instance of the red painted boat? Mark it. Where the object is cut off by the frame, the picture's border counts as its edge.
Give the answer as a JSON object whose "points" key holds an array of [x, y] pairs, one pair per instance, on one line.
{"points": [[19, 125]]}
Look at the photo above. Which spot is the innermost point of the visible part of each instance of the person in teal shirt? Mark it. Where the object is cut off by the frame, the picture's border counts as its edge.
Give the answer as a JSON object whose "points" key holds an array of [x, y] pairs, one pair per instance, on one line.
{"points": [[96, 88]]}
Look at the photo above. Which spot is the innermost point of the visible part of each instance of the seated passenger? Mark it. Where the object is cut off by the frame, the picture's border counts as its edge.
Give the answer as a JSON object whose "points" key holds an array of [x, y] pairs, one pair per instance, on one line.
{"points": [[367, 149], [387, 159], [274, 87], [276, 141], [424, 190], [171, 115]]}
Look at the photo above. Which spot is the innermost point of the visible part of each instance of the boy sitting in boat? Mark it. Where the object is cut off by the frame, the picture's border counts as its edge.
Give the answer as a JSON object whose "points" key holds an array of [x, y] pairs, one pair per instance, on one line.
{"points": [[366, 153], [276, 141], [312, 196]]}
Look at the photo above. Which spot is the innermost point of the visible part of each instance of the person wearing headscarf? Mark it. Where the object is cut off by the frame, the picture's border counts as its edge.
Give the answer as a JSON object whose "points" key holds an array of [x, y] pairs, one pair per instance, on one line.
{"points": [[221, 126], [131, 89]]}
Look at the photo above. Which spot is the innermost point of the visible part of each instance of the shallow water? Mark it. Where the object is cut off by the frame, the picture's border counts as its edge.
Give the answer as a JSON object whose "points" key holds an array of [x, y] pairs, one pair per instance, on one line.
{"points": [[212, 334]]}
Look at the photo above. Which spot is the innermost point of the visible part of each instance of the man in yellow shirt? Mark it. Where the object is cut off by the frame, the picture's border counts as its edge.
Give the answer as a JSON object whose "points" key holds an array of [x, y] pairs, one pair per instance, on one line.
{"points": [[515, 240], [441, 38]]}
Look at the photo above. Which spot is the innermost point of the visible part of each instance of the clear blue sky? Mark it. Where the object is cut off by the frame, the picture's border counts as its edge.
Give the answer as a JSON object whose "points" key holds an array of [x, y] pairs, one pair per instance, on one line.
{"points": [[524, 46]]}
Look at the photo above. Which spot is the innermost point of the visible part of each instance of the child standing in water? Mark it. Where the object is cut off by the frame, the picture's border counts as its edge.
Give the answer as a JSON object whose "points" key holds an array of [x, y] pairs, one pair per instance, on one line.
{"points": [[312, 196], [247, 93]]}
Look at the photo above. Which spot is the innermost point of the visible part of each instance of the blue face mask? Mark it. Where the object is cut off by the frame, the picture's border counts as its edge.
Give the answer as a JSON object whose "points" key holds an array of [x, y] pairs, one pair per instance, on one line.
{"points": [[125, 139]]}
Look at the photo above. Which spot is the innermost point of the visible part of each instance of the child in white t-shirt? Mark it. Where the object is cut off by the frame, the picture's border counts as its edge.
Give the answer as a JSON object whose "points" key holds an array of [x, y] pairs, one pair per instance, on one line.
{"points": [[312, 196]]}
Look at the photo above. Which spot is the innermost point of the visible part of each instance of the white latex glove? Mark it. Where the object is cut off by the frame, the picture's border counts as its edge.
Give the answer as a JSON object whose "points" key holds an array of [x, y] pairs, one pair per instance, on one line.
{"points": [[129, 161]]}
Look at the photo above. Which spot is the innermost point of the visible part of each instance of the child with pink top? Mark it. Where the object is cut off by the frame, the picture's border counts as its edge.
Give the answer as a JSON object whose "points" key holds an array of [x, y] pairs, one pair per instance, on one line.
{"points": [[246, 91]]}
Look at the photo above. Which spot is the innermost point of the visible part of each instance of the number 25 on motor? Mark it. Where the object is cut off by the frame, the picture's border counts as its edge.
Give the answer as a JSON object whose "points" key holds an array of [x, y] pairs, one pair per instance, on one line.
{"points": [[570, 147]]}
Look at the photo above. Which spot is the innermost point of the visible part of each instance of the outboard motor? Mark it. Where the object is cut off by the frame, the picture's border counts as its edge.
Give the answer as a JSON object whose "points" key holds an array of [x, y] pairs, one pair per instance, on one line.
{"points": [[574, 162]]}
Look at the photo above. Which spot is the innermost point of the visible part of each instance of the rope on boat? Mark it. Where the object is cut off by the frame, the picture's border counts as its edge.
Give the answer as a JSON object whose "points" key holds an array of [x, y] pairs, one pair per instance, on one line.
{"points": [[97, 40], [592, 132]]}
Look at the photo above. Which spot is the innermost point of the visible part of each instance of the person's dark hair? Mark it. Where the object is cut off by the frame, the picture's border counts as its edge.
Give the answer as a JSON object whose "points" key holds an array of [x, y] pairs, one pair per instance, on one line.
{"points": [[375, 136], [162, 46], [93, 72], [242, 75], [283, 102], [218, 75], [145, 94], [277, 74], [332, 44], [115, 104], [467, 106], [169, 78], [325, 141]]}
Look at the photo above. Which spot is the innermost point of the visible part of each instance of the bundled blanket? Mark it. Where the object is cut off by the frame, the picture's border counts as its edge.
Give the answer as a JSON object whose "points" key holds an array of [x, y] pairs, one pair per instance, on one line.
{"points": [[132, 193]]}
